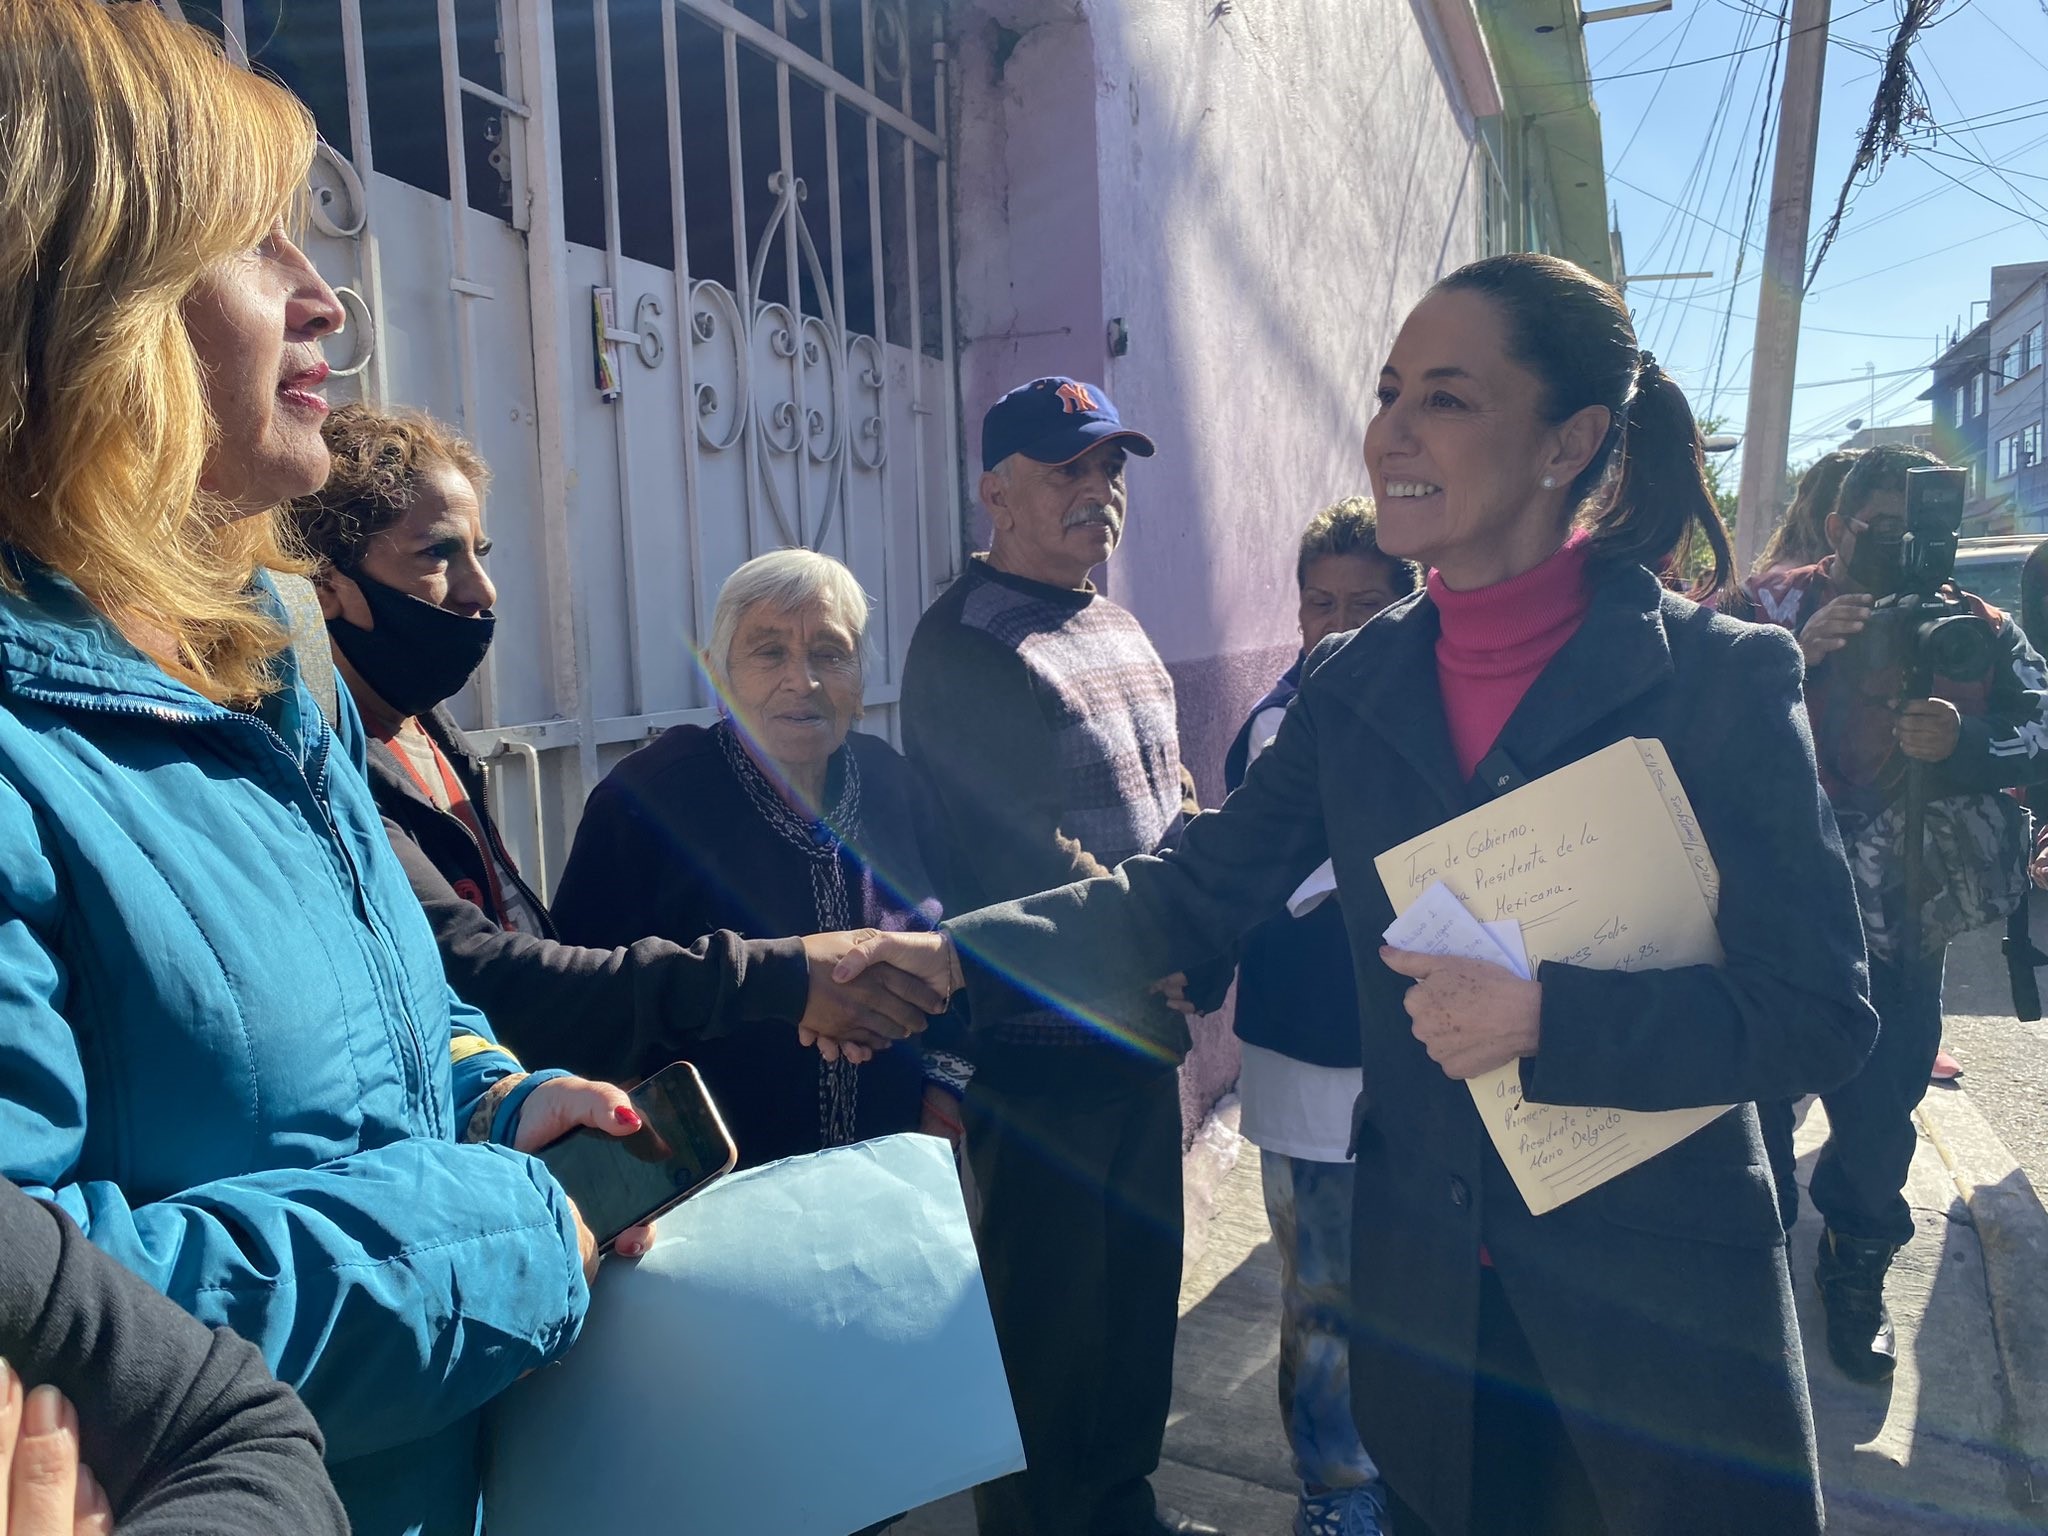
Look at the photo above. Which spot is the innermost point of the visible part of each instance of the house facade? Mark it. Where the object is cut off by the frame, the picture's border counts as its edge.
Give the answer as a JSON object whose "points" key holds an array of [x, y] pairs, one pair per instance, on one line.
{"points": [[704, 278], [1961, 398], [2018, 416]]}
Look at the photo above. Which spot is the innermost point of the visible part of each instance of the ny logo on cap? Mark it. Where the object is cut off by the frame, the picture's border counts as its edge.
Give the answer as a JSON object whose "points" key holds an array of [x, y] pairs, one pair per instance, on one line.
{"points": [[1075, 397]]}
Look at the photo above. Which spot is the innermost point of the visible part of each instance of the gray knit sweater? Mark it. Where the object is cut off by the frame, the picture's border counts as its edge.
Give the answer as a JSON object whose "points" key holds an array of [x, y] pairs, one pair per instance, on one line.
{"points": [[1045, 723]]}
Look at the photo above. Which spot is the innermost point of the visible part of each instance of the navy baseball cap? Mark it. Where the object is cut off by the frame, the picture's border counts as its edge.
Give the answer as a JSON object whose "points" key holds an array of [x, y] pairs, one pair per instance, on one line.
{"points": [[1054, 421]]}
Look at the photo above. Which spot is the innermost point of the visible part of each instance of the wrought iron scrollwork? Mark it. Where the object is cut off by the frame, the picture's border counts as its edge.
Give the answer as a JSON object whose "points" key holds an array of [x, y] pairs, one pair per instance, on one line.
{"points": [[812, 392], [335, 186]]}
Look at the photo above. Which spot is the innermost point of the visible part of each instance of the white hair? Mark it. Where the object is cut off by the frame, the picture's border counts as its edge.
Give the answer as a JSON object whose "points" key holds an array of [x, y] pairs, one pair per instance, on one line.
{"points": [[788, 580]]}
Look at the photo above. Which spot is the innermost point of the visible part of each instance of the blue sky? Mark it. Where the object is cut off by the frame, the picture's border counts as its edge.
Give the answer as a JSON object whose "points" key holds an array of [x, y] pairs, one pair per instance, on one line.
{"points": [[1915, 250]]}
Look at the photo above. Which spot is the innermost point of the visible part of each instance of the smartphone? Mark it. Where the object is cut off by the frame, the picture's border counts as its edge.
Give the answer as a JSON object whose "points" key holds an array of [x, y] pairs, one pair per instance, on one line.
{"points": [[618, 1182]]}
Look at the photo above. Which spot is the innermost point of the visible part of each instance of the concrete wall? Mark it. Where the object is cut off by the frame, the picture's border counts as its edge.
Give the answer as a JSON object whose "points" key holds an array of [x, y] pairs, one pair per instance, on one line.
{"points": [[1258, 190]]}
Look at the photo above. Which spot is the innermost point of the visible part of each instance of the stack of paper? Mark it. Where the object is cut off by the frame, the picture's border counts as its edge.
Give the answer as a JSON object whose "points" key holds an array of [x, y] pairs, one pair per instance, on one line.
{"points": [[1601, 864]]}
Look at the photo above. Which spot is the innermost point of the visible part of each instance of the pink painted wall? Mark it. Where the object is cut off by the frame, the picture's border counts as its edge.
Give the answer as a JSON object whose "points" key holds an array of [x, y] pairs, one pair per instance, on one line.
{"points": [[1259, 190]]}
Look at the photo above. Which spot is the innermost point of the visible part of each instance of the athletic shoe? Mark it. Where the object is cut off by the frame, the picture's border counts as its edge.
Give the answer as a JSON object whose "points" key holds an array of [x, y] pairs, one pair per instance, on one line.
{"points": [[1342, 1512]]}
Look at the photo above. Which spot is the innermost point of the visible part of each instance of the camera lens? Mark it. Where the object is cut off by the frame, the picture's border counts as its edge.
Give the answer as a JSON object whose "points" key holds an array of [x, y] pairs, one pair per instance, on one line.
{"points": [[1960, 646]]}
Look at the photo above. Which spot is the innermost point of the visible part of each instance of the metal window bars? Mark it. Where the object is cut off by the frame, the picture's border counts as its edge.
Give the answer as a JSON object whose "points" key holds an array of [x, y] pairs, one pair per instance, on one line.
{"points": [[750, 416]]}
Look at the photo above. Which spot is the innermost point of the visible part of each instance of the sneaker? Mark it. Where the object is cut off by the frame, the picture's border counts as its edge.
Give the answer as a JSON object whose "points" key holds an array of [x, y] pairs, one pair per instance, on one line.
{"points": [[1946, 1068], [1342, 1512], [1850, 1272]]}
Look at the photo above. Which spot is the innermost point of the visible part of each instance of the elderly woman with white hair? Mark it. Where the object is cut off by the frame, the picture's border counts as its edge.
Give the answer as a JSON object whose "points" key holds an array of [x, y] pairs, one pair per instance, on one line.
{"points": [[776, 821]]}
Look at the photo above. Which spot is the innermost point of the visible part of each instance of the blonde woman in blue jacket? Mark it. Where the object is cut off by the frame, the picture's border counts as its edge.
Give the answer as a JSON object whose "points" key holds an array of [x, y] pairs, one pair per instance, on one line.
{"points": [[227, 1050]]}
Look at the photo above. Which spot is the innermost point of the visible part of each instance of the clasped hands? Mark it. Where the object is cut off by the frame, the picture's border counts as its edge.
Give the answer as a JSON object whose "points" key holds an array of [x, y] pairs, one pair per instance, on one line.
{"points": [[870, 988], [1470, 1016]]}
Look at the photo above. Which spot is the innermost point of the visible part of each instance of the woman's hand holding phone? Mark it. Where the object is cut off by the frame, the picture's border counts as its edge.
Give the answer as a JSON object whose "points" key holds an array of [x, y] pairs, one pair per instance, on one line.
{"points": [[559, 1106]]}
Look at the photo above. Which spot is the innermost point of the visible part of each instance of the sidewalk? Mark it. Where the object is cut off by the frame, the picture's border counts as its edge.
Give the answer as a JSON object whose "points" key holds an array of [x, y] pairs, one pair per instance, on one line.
{"points": [[1941, 1450]]}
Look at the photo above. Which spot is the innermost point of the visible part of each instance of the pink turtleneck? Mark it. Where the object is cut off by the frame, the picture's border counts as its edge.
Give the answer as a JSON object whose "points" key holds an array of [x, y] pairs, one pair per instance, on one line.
{"points": [[1496, 639]]}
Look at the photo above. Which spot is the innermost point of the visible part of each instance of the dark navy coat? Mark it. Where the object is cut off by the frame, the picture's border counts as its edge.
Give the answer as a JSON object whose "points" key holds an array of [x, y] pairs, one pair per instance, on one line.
{"points": [[1657, 1305], [1295, 992]]}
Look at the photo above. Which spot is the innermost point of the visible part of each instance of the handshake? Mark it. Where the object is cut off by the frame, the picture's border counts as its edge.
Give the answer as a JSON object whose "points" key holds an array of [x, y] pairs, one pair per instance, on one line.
{"points": [[870, 989]]}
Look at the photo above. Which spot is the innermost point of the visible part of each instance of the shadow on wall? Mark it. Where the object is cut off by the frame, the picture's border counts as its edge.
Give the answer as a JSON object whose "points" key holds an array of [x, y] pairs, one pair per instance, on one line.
{"points": [[1258, 198], [1094, 181]]}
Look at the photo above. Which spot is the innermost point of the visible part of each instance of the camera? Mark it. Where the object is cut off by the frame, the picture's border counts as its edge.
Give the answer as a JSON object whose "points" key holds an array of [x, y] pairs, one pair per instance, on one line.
{"points": [[1919, 628]]}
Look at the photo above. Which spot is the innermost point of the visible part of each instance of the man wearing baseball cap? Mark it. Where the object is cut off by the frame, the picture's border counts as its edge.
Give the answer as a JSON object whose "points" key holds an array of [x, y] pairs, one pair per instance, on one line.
{"points": [[1044, 721]]}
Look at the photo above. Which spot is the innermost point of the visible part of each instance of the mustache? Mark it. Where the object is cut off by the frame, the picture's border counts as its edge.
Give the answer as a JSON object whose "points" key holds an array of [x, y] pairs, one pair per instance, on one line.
{"points": [[1094, 512]]}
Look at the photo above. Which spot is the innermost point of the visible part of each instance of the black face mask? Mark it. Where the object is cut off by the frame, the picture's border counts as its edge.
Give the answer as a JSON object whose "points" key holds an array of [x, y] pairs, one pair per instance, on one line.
{"points": [[418, 654], [1878, 565]]}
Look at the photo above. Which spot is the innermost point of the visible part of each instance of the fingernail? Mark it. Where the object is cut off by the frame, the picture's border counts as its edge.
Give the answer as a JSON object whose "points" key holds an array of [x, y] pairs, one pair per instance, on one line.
{"points": [[627, 1116], [44, 1414]]}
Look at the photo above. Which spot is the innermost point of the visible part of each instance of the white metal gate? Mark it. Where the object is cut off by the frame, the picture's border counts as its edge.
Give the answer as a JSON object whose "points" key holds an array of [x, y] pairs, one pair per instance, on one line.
{"points": [[682, 269]]}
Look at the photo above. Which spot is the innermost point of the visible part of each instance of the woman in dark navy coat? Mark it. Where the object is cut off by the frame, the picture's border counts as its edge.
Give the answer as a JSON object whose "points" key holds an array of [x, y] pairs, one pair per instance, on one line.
{"points": [[1630, 1361]]}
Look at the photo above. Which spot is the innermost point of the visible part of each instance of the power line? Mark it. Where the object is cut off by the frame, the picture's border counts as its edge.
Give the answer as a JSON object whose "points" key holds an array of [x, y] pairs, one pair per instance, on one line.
{"points": [[1899, 102], [1984, 119], [1994, 202], [1950, 154], [1693, 188], [1677, 43], [1715, 58], [1655, 198], [1854, 378], [1706, 169], [1935, 70], [1923, 256], [1756, 181], [1993, 20]]}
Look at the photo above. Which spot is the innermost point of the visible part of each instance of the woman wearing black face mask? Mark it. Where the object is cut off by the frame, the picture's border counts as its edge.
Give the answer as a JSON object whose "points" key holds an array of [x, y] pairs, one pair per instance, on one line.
{"points": [[398, 532], [399, 527]]}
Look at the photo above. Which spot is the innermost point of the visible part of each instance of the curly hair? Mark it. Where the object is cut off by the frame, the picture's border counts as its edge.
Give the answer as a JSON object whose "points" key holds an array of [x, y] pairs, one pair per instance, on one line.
{"points": [[133, 157], [1351, 527], [379, 459]]}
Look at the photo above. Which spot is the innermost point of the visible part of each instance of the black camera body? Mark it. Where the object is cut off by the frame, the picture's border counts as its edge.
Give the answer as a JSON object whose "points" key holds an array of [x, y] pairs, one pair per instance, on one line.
{"points": [[1919, 628]]}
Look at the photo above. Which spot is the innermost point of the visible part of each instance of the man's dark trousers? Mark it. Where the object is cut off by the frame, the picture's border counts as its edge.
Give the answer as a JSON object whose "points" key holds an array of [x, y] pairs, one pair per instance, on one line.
{"points": [[1859, 1180], [1075, 1152]]}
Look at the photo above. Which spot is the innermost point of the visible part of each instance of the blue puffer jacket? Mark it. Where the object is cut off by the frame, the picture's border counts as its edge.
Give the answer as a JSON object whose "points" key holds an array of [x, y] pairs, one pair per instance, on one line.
{"points": [[225, 1050]]}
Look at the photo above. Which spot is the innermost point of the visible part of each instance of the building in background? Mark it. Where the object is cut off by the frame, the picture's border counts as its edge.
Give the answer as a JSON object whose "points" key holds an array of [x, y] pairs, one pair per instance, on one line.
{"points": [[1961, 397], [1907, 434], [707, 277], [2018, 415]]}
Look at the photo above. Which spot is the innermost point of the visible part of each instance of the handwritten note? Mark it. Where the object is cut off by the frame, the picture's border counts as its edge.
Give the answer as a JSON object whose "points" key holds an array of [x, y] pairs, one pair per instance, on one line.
{"points": [[1601, 864]]}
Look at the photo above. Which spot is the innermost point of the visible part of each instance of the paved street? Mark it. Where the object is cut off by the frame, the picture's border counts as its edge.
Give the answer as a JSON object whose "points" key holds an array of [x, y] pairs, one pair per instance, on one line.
{"points": [[1929, 1454], [2005, 1062]]}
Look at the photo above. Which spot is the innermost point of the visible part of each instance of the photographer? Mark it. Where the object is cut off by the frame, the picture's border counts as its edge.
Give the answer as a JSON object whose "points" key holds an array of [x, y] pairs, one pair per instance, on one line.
{"points": [[1925, 702]]}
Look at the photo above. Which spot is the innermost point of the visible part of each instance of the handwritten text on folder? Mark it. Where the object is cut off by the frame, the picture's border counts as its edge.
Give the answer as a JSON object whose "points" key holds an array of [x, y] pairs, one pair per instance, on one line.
{"points": [[1600, 864]]}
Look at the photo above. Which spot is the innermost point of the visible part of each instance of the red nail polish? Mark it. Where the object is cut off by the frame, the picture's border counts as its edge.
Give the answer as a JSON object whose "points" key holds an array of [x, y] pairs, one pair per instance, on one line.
{"points": [[627, 1116]]}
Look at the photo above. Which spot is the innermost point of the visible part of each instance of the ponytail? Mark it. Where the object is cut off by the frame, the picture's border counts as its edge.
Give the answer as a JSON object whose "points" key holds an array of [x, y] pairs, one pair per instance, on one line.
{"points": [[1573, 332], [1662, 509]]}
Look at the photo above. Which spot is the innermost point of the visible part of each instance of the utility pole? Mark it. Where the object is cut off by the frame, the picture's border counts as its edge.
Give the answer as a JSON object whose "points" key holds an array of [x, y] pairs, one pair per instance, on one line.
{"points": [[1766, 440]]}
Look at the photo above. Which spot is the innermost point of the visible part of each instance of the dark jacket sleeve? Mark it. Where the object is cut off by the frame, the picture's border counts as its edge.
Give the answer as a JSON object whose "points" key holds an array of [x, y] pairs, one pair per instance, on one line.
{"points": [[2007, 745], [1112, 936], [182, 1425], [1787, 1013], [982, 741], [1208, 983], [607, 1013]]}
